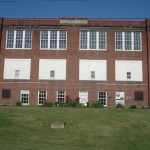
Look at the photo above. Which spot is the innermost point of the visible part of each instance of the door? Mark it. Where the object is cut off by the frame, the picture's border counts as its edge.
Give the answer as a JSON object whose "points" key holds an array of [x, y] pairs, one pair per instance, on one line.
{"points": [[120, 98], [83, 95]]}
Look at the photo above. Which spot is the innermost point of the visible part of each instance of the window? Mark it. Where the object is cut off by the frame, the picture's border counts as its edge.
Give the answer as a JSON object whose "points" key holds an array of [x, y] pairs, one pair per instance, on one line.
{"points": [[17, 72], [53, 39], [42, 96], [92, 40], [19, 39], [6, 93], [128, 75], [61, 96], [92, 74], [83, 40], [138, 96], [102, 97], [128, 41], [52, 74], [24, 97]]}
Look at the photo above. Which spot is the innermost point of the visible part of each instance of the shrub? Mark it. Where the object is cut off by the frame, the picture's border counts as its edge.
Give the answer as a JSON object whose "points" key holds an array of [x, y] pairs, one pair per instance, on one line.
{"points": [[47, 104], [68, 99], [63, 104], [18, 103], [133, 107], [70, 103], [76, 103], [96, 104], [119, 105]]}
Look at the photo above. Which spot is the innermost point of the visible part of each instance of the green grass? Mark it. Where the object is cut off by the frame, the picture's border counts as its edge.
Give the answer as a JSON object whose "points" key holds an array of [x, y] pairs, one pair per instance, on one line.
{"points": [[28, 128]]}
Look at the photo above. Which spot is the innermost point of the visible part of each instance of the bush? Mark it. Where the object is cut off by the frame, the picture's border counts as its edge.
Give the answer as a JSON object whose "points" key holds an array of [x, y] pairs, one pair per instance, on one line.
{"points": [[96, 104], [47, 104], [63, 104], [70, 104], [76, 103], [119, 105], [133, 107], [18, 103]]}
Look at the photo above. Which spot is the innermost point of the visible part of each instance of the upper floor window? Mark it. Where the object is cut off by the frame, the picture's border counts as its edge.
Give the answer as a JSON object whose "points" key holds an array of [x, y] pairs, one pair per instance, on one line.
{"points": [[52, 73], [19, 39], [17, 72], [128, 75], [53, 40], [92, 74], [93, 40], [128, 41]]}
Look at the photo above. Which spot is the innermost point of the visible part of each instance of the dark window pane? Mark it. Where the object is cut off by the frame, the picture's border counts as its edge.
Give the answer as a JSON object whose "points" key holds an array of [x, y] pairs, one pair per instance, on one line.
{"points": [[138, 96], [6, 93]]}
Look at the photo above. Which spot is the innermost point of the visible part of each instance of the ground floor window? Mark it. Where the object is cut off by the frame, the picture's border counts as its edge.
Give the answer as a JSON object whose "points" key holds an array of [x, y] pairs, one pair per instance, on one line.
{"points": [[6, 93], [42, 96], [102, 97], [138, 96], [61, 95], [24, 97]]}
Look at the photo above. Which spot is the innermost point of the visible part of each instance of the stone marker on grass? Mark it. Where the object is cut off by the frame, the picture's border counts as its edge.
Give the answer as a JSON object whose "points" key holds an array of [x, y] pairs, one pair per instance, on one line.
{"points": [[58, 124]]}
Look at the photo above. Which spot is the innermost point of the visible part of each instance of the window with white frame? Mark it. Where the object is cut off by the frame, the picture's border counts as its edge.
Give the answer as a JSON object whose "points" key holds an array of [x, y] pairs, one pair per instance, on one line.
{"points": [[92, 40], [24, 97], [19, 39], [17, 72], [61, 95], [92, 74], [52, 73], [128, 41], [102, 97], [42, 96], [53, 39], [128, 75]]}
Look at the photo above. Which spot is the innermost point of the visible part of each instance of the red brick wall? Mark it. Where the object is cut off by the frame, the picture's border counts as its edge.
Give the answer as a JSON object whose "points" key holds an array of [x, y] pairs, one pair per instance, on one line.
{"points": [[72, 85]]}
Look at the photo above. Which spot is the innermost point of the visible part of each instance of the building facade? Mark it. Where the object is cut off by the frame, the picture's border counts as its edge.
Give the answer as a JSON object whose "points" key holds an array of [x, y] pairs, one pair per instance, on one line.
{"points": [[51, 59]]}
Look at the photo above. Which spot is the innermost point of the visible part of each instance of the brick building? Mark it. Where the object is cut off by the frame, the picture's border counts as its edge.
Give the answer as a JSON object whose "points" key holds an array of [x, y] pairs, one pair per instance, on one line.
{"points": [[105, 60]]}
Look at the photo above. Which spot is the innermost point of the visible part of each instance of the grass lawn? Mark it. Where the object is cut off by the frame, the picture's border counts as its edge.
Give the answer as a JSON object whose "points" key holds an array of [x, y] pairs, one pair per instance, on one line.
{"points": [[28, 128]]}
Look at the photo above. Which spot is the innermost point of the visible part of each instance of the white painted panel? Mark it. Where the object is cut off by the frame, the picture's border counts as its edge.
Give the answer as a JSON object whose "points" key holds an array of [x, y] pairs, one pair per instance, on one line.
{"points": [[120, 98], [86, 66], [124, 66], [22, 65], [83, 95], [57, 65]]}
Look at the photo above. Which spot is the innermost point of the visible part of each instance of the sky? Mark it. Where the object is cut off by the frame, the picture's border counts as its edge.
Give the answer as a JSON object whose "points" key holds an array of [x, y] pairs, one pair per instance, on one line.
{"points": [[94, 9]]}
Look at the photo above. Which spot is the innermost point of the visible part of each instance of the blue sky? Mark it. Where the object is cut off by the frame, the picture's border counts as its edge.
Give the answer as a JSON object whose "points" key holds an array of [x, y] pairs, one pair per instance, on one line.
{"points": [[75, 8]]}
